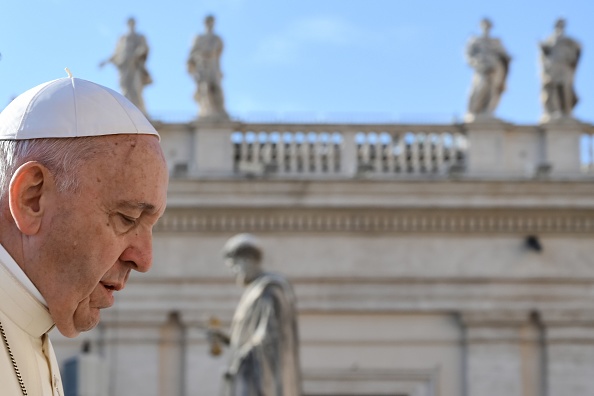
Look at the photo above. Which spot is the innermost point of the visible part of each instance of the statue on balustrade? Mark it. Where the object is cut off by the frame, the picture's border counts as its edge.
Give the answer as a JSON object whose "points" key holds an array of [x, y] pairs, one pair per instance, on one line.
{"points": [[263, 340], [130, 58], [559, 59], [490, 61], [204, 65]]}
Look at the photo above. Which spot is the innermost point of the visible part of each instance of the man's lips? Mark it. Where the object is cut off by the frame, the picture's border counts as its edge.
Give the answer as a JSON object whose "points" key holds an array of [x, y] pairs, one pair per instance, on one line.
{"points": [[109, 288], [113, 286]]}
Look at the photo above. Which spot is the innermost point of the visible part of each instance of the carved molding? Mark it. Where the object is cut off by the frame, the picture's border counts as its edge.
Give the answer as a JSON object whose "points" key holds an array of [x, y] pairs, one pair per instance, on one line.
{"points": [[413, 382], [509, 221]]}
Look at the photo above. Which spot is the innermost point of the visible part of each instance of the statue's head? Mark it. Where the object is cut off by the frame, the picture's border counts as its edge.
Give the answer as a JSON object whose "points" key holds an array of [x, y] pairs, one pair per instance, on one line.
{"points": [[209, 22], [243, 254], [560, 26], [131, 23], [486, 25]]}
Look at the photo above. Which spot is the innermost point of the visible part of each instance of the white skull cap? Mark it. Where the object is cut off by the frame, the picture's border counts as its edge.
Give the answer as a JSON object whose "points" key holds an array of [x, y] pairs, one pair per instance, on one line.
{"points": [[71, 107]]}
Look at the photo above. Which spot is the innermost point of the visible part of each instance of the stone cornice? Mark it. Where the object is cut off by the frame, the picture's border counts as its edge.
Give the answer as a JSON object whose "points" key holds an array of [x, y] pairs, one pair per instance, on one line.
{"points": [[345, 193]]}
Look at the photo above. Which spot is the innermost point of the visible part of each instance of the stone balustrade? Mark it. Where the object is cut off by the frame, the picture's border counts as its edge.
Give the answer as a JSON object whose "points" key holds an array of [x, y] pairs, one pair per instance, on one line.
{"points": [[483, 150]]}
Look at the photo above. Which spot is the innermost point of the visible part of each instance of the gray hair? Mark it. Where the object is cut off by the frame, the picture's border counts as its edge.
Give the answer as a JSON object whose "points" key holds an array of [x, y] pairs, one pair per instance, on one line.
{"points": [[63, 157]]}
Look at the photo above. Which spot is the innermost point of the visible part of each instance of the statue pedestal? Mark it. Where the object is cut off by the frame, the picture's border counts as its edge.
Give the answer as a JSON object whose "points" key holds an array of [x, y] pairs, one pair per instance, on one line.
{"points": [[562, 146], [487, 145], [213, 150], [501, 150]]}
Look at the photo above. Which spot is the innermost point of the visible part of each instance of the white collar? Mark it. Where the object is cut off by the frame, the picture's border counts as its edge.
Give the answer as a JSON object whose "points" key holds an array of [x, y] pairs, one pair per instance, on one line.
{"points": [[19, 274]]}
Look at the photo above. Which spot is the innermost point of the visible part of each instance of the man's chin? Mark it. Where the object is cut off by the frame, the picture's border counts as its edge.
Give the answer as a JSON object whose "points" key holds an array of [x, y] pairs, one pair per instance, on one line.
{"points": [[78, 325], [68, 331]]}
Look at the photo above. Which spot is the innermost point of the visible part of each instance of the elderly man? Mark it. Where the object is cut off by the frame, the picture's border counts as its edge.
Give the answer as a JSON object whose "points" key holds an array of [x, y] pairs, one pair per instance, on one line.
{"points": [[263, 342], [83, 181]]}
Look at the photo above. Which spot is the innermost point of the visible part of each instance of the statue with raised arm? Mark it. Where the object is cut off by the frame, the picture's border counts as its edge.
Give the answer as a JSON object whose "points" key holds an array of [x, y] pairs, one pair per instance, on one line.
{"points": [[559, 59], [490, 61], [263, 341], [130, 58], [204, 65]]}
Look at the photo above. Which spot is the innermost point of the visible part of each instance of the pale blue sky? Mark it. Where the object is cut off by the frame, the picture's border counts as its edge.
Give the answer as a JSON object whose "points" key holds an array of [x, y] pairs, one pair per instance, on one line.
{"points": [[342, 60]]}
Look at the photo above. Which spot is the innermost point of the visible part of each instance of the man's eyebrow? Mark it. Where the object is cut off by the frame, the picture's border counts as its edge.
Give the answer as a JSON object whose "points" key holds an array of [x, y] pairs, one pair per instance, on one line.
{"points": [[144, 206]]}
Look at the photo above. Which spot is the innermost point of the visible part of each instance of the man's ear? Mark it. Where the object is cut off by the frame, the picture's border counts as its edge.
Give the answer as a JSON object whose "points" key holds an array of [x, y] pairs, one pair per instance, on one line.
{"points": [[27, 196]]}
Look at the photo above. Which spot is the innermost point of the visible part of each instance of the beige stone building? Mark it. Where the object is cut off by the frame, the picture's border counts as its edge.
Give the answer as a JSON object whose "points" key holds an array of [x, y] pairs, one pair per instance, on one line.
{"points": [[428, 260]]}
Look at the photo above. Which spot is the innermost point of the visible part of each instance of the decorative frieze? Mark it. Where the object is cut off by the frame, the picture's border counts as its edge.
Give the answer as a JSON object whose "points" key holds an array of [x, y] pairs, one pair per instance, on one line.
{"points": [[523, 221]]}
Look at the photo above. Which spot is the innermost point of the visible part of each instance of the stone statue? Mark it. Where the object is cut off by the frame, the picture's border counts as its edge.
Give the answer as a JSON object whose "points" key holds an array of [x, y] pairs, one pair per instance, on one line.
{"points": [[559, 58], [490, 60], [130, 57], [203, 65], [263, 341]]}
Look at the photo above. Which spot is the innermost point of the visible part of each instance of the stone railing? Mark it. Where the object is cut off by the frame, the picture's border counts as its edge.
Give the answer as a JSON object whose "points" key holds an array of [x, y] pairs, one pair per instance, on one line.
{"points": [[492, 149], [344, 149], [287, 152]]}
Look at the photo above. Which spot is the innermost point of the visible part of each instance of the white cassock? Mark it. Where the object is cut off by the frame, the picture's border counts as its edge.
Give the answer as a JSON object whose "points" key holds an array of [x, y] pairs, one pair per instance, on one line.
{"points": [[26, 322]]}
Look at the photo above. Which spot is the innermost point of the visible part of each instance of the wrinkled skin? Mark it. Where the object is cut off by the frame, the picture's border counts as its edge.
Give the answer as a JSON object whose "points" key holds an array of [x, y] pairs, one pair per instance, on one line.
{"points": [[88, 242]]}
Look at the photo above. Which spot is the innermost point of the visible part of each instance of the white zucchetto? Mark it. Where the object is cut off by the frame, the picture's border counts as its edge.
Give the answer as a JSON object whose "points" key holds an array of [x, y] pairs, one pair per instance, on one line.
{"points": [[71, 107]]}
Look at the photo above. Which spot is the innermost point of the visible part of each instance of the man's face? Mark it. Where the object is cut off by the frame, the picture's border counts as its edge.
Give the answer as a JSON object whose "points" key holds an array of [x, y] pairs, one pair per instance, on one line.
{"points": [[93, 238]]}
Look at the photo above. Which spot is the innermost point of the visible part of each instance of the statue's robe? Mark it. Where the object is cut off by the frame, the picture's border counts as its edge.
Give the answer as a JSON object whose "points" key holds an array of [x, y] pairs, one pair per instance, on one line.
{"points": [[264, 343], [26, 322]]}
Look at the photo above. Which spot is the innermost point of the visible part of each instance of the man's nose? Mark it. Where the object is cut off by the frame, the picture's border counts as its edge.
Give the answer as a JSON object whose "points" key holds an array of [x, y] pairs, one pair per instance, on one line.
{"points": [[139, 252]]}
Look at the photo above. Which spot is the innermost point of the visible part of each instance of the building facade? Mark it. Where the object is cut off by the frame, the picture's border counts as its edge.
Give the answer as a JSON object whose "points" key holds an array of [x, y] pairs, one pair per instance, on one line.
{"points": [[428, 260]]}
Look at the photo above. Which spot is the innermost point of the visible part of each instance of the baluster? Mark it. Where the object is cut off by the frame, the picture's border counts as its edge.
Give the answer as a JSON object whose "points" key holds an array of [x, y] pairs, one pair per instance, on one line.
{"points": [[372, 152], [280, 153], [440, 168], [247, 152], [299, 152], [256, 150], [414, 154], [265, 148], [326, 152], [289, 155], [399, 152], [447, 149], [388, 153], [427, 159], [316, 153], [337, 146], [362, 151]]}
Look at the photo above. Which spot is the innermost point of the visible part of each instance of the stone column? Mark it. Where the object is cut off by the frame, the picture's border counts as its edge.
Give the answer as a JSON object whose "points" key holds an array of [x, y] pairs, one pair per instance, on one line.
{"points": [[205, 372], [172, 357], [502, 354], [213, 150], [570, 352], [562, 146], [132, 355]]}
